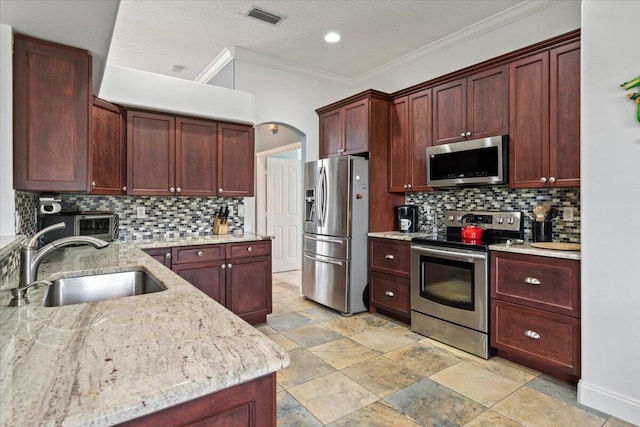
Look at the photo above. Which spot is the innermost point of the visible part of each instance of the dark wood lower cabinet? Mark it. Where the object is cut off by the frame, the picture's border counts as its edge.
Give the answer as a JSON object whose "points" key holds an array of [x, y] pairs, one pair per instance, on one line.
{"points": [[249, 288], [162, 255], [251, 404], [208, 276]]}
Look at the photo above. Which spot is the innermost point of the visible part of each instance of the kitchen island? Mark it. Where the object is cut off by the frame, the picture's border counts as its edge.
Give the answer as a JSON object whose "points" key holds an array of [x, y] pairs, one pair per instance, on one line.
{"points": [[112, 361]]}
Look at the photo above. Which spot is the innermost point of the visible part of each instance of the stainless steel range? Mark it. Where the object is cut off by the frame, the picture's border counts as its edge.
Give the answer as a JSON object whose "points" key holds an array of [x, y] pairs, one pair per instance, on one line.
{"points": [[450, 278]]}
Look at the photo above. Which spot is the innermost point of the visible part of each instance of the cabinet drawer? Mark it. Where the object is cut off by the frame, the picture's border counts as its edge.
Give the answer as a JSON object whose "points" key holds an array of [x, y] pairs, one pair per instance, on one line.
{"points": [[390, 292], [197, 253], [390, 256], [547, 338], [545, 283], [248, 249]]}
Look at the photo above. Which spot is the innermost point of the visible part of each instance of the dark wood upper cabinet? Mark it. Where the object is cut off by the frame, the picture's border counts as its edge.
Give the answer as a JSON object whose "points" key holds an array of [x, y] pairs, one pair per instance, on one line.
{"points": [[107, 150], [150, 154], [51, 103], [345, 129], [544, 125], [471, 107], [410, 135], [236, 151], [196, 157]]}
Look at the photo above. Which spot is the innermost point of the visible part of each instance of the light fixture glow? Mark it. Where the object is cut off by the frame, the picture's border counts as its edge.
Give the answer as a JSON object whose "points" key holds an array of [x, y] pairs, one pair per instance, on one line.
{"points": [[332, 37]]}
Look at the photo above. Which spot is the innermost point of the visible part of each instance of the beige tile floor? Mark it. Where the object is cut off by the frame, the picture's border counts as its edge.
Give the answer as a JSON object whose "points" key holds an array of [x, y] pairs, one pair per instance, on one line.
{"points": [[369, 370]]}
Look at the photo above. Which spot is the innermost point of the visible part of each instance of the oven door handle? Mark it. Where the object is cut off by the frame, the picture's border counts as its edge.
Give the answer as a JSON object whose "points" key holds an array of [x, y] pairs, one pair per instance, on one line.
{"points": [[431, 251]]}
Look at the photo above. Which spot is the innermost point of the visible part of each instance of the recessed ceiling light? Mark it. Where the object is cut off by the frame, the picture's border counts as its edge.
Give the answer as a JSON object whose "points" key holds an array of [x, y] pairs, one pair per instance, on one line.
{"points": [[332, 37]]}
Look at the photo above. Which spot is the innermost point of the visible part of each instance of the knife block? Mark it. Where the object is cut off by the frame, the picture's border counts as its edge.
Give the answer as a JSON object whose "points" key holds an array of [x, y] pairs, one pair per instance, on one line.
{"points": [[219, 227]]}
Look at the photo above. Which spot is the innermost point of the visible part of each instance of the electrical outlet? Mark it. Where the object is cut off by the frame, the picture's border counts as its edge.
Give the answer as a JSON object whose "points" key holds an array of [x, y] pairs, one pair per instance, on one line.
{"points": [[230, 210], [18, 225], [567, 214], [241, 211], [141, 212]]}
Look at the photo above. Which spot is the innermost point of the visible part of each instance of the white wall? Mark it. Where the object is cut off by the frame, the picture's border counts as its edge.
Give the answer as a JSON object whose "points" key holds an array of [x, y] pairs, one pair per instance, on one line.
{"points": [[130, 87], [7, 202], [610, 152], [458, 52], [290, 98]]}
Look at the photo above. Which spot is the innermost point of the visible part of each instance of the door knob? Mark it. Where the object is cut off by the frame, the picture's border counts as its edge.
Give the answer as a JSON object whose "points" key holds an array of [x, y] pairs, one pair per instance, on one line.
{"points": [[179, 190], [172, 190], [468, 134], [124, 188], [552, 180], [462, 134], [543, 179]]}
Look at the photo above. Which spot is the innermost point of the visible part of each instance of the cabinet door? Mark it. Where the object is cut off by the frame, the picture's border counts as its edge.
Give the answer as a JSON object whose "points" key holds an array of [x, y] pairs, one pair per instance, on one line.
{"points": [[421, 131], [398, 144], [150, 154], [51, 104], [196, 157], [162, 255], [330, 134], [390, 293], [356, 127], [449, 112], [529, 121], [249, 288], [107, 149], [488, 103], [235, 160], [564, 120], [208, 276]]}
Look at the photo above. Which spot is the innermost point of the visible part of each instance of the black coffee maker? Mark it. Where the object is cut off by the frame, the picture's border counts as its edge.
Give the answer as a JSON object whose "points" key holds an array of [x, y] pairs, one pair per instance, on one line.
{"points": [[407, 218]]}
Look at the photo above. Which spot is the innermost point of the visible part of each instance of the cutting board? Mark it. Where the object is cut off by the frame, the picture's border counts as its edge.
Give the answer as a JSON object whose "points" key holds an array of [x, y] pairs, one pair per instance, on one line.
{"points": [[559, 246]]}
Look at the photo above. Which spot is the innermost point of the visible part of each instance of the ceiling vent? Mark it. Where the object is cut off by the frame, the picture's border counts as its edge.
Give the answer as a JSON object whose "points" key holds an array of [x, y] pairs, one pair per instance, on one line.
{"points": [[263, 16]]}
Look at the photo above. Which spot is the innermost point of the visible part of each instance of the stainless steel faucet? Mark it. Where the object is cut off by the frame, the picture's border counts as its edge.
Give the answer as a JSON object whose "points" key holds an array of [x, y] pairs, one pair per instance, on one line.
{"points": [[31, 257]]}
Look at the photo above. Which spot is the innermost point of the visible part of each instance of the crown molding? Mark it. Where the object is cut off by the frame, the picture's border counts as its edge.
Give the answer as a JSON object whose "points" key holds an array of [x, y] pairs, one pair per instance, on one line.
{"points": [[216, 65], [471, 32]]}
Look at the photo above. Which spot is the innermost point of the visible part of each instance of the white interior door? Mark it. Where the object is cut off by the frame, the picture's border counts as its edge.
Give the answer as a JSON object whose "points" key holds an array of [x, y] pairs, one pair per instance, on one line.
{"points": [[284, 218]]}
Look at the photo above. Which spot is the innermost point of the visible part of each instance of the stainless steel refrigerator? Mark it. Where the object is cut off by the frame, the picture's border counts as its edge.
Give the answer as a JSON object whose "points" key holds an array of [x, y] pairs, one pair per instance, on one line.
{"points": [[336, 222]]}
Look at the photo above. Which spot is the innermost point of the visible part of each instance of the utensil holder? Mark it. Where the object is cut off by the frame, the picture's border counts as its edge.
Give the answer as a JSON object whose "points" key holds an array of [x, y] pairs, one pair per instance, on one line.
{"points": [[219, 227], [542, 231]]}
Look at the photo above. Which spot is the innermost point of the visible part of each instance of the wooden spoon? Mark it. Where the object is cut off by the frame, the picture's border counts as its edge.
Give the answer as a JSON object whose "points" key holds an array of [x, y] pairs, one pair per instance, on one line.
{"points": [[539, 213]]}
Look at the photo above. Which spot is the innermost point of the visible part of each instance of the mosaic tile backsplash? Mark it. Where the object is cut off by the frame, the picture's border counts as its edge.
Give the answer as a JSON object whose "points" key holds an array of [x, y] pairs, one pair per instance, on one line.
{"points": [[501, 199], [27, 205], [164, 216]]}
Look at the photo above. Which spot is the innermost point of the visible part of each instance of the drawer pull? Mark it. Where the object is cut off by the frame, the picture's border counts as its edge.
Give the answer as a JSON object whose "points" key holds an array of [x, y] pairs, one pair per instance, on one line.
{"points": [[167, 255], [532, 334], [531, 281], [249, 249], [389, 293], [389, 256], [200, 253]]}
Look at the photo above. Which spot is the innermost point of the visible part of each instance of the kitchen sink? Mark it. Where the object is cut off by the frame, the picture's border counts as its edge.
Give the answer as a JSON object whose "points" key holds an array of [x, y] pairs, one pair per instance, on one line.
{"points": [[98, 287]]}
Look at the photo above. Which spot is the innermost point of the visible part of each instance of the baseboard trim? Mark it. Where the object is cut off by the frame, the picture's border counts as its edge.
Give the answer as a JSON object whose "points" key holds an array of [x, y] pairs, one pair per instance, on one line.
{"points": [[606, 401]]}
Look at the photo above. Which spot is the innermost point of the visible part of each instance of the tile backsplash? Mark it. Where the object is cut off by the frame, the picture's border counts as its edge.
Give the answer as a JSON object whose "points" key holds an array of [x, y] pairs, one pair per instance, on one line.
{"points": [[495, 198], [164, 216]]}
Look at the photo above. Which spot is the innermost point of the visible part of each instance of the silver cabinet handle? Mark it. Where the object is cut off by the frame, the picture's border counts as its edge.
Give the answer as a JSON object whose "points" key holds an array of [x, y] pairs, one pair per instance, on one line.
{"points": [[93, 184], [389, 293], [462, 134], [531, 281], [172, 190], [249, 249], [552, 179], [543, 179], [468, 134], [532, 334], [229, 265], [409, 186], [220, 190], [223, 266], [168, 255], [389, 256], [179, 190], [200, 253], [124, 188], [405, 186]]}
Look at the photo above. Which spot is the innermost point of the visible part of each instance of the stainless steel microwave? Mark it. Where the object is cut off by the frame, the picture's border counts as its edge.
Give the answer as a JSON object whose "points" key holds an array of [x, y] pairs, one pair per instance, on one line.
{"points": [[103, 225], [475, 162]]}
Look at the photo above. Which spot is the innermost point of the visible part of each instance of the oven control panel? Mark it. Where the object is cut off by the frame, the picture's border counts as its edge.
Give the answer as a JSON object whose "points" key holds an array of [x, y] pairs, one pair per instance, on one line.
{"points": [[494, 220]]}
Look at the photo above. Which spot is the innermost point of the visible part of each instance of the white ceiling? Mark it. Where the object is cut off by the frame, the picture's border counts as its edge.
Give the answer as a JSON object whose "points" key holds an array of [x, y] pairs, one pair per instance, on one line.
{"points": [[155, 35]]}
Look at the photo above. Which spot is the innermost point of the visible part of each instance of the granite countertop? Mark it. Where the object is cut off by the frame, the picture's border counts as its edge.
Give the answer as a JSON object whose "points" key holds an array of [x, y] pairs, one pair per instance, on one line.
{"points": [[110, 361], [199, 240], [525, 248]]}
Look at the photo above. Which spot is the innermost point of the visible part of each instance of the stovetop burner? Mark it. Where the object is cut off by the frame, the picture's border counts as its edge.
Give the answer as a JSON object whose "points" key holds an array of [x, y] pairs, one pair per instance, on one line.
{"points": [[499, 226]]}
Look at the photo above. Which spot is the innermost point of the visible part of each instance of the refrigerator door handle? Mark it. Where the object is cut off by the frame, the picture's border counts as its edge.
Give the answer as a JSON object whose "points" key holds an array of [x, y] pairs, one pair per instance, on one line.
{"points": [[326, 261], [322, 196], [324, 240]]}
